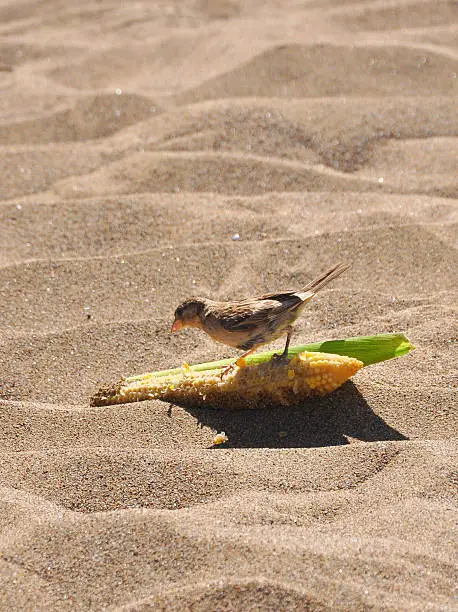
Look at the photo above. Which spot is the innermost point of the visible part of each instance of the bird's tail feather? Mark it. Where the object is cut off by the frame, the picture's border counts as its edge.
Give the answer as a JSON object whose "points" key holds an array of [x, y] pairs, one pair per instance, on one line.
{"points": [[318, 283]]}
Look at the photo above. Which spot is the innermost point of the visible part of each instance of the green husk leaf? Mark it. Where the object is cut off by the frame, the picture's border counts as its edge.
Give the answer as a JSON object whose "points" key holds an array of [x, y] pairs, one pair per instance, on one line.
{"points": [[368, 349]]}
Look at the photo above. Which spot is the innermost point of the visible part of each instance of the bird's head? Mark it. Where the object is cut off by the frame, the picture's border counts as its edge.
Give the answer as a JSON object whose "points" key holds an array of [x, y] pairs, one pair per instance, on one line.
{"points": [[188, 314]]}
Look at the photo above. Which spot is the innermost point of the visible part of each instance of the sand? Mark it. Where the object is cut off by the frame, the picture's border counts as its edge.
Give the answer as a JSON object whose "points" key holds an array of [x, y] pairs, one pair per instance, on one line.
{"points": [[137, 142]]}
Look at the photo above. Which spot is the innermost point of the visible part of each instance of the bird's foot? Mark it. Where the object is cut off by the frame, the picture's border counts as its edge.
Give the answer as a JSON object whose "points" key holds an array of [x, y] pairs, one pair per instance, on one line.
{"points": [[227, 370], [240, 363], [281, 359]]}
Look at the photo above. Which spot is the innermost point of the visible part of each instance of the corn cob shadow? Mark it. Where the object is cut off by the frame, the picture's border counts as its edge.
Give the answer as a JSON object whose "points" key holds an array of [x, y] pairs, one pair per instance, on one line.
{"points": [[319, 421]]}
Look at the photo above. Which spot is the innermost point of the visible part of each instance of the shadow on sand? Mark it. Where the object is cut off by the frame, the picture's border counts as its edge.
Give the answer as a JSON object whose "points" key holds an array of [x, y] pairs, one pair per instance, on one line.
{"points": [[326, 421]]}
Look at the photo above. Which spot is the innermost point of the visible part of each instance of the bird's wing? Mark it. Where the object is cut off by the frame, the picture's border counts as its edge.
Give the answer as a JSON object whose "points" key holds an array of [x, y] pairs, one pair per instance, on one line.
{"points": [[278, 296], [250, 314]]}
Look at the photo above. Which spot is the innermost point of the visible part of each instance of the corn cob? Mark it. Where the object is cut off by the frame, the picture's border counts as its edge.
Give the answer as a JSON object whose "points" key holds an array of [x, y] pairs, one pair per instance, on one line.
{"points": [[256, 385]]}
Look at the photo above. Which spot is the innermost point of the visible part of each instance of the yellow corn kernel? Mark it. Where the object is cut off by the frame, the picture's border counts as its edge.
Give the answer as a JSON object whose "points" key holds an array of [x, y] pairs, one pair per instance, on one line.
{"points": [[251, 386], [220, 438], [186, 369]]}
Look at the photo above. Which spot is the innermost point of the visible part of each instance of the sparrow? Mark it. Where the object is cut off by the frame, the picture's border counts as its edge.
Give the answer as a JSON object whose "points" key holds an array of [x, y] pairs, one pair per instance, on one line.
{"points": [[249, 323]]}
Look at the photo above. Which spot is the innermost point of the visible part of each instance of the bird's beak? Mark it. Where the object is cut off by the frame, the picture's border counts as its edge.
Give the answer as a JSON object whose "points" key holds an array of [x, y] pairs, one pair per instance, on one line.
{"points": [[177, 325]]}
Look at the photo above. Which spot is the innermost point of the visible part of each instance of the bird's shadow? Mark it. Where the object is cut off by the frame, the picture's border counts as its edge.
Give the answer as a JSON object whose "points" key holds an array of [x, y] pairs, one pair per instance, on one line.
{"points": [[326, 421]]}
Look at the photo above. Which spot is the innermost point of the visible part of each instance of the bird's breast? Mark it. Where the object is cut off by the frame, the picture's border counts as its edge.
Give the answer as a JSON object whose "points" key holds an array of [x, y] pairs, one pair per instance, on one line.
{"points": [[231, 338]]}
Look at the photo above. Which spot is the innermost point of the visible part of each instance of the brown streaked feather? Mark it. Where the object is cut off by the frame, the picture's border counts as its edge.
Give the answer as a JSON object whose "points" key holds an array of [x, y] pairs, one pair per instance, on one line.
{"points": [[249, 314], [250, 322], [311, 288], [320, 282]]}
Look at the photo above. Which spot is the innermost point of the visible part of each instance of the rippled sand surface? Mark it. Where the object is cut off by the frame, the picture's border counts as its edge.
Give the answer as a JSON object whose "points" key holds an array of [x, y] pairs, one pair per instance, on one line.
{"points": [[137, 140]]}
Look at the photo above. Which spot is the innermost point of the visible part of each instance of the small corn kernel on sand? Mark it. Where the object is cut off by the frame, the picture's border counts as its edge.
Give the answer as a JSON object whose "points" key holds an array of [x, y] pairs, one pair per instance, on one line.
{"points": [[220, 438], [257, 385]]}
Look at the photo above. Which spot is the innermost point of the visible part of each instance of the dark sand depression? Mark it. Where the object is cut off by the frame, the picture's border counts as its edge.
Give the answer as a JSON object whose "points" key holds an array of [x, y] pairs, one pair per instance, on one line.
{"points": [[136, 141]]}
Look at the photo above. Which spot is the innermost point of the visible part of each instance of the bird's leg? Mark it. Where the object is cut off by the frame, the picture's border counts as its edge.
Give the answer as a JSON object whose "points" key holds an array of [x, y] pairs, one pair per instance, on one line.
{"points": [[284, 355], [288, 340], [238, 362]]}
